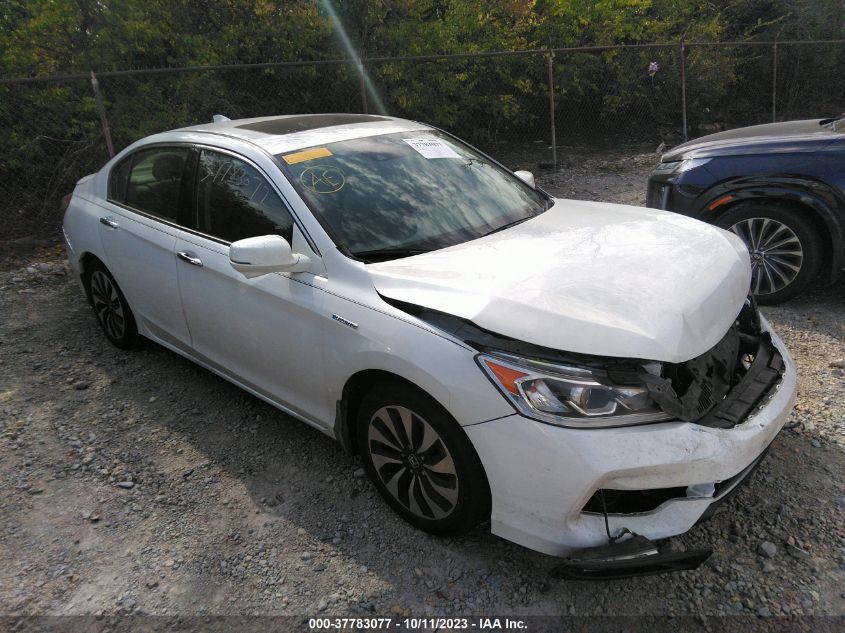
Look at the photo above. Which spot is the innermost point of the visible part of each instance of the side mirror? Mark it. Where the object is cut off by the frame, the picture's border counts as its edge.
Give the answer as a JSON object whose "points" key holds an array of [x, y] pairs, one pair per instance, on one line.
{"points": [[264, 254], [527, 177]]}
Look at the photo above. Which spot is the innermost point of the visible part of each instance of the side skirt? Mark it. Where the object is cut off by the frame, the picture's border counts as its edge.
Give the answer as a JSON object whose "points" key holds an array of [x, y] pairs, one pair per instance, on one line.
{"points": [[151, 332]]}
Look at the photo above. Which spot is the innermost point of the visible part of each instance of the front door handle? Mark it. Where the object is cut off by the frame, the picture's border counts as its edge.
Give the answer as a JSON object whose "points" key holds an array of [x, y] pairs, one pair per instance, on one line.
{"points": [[108, 222], [189, 257]]}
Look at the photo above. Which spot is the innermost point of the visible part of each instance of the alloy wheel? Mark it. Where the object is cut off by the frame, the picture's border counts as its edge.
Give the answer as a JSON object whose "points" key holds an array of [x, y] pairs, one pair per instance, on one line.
{"points": [[776, 253], [107, 305], [413, 462]]}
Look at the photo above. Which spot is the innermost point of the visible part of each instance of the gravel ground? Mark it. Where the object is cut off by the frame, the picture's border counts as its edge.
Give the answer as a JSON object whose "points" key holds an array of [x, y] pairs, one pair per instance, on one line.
{"points": [[139, 483]]}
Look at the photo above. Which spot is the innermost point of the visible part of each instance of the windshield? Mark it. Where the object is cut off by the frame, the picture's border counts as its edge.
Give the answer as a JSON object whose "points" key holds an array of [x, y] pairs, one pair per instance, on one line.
{"points": [[389, 196]]}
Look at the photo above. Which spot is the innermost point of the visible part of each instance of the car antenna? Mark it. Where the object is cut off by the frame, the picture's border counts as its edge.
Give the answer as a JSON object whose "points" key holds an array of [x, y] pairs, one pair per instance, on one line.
{"points": [[220, 118]]}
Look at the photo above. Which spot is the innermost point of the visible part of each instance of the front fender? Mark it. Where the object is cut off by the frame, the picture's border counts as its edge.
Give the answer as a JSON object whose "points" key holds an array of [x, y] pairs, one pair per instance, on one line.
{"points": [[382, 338], [816, 197]]}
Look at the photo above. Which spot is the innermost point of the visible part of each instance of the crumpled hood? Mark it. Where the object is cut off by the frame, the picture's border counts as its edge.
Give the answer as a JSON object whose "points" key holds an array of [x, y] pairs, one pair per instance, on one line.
{"points": [[589, 278]]}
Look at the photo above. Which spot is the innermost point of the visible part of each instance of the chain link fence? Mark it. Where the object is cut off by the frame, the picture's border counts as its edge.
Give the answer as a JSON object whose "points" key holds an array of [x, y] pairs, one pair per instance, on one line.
{"points": [[537, 103]]}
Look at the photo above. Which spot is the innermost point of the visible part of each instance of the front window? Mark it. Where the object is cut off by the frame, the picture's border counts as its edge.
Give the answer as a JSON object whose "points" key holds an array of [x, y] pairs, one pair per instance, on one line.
{"points": [[234, 201], [384, 197]]}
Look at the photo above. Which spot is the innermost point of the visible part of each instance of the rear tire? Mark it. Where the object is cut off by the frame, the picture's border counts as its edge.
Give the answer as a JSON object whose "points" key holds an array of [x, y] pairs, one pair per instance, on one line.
{"points": [[421, 461], [784, 245], [110, 307]]}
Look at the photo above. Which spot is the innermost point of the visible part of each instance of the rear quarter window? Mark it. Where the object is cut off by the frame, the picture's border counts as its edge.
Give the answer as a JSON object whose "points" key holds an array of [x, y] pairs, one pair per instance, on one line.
{"points": [[118, 177]]}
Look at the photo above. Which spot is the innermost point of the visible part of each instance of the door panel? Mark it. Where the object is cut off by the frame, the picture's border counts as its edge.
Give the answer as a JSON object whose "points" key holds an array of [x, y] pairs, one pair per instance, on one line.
{"points": [[265, 331], [148, 196], [140, 254]]}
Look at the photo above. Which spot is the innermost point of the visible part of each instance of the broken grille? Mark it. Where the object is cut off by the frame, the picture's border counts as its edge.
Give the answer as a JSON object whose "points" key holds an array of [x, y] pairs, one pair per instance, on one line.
{"points": [[721, 387]]}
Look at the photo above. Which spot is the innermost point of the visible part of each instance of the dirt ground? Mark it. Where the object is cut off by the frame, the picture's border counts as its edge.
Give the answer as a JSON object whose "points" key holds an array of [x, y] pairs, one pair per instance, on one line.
{"points": [[136, 482]]}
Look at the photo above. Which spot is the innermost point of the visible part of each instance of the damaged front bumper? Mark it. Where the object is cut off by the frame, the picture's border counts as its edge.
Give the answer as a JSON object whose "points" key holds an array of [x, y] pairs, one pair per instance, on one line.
{"points": [[547, 475], [636, 556]]}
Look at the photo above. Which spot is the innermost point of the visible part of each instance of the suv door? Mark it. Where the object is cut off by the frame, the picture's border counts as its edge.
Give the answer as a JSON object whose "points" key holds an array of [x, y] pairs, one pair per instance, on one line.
{"points": [[148, 195], [264, 332]]}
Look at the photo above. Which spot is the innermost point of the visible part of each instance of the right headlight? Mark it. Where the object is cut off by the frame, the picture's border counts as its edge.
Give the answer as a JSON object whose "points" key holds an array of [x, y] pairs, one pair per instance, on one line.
{"points": [[567, 395], [679, 166]]}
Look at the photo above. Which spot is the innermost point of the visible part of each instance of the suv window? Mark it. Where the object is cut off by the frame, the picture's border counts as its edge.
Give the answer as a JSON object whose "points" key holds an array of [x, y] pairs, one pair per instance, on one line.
{"points": [[234, 201], [155, 181]]}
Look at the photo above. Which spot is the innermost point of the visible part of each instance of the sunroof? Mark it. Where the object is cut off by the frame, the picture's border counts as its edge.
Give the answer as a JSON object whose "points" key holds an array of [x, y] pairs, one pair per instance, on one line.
{"points": [[291, 124]]}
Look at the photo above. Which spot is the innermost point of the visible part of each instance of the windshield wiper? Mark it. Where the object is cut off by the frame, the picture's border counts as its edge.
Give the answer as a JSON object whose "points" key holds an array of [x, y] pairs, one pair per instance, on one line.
{"points": [[833, 122], [385, 254], [509, 225]]}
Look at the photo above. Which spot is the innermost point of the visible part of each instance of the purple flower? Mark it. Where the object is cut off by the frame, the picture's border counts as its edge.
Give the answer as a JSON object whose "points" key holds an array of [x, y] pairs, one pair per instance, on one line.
{"points": [[653, 67]]}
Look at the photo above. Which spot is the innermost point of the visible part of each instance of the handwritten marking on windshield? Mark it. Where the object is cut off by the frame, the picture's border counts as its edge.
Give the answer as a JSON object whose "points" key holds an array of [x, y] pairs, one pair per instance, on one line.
{"points": [[322, 179]]}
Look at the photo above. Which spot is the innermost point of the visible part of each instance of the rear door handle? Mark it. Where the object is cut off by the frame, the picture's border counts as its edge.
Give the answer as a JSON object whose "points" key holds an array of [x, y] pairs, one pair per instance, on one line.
{"points": [[108, 222], [189, 257]]}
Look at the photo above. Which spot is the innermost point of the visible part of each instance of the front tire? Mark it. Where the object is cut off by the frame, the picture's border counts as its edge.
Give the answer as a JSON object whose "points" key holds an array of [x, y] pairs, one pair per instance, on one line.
{"points": [[784, 245], [421, 461], [110, 307]]}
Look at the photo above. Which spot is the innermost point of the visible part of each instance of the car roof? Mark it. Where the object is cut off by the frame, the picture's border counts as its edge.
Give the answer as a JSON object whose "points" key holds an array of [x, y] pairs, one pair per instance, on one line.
{"points": [[279, 134]]}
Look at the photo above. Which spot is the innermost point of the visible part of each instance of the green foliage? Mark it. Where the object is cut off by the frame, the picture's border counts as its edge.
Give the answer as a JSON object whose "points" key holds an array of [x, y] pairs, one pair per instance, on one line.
{"points": [[589, 22], [63, 36], [52, 132]]}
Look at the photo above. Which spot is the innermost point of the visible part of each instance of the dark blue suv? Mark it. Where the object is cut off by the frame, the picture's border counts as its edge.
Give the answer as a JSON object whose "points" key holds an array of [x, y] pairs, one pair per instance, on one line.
{"points": [[780, 187]]}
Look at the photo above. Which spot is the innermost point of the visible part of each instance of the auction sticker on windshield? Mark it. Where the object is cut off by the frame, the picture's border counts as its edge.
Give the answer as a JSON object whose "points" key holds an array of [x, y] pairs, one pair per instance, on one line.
{"points": [[308, 154], [431, 147]]}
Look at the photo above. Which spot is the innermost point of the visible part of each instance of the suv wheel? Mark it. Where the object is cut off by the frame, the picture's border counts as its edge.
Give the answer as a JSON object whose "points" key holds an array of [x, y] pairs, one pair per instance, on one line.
{"points": [[421, 461], [784, 246]]}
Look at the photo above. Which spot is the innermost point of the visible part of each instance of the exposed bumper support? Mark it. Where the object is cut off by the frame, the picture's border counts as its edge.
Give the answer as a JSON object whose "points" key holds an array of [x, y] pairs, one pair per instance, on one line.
{"points": [[636, 556]]}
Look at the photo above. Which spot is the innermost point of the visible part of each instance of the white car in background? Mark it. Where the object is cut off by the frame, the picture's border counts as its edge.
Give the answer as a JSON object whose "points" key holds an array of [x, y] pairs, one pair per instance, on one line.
{"points": [[574, 372]]}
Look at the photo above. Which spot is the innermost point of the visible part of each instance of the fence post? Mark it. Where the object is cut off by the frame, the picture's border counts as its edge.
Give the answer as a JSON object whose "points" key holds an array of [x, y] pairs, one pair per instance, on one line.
{"points": [[362, 86], [101, 110], [550, 57], [774, 82], [683, 62]]}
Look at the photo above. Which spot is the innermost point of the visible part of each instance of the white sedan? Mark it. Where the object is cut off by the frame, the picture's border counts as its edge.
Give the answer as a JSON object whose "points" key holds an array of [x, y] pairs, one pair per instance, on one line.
{"points": [[571, 371]]}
